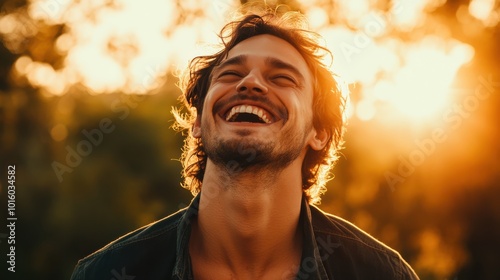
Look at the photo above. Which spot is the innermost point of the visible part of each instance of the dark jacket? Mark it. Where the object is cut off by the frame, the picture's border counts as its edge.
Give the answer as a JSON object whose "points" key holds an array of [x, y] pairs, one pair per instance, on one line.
{"points": [[333, 249]]}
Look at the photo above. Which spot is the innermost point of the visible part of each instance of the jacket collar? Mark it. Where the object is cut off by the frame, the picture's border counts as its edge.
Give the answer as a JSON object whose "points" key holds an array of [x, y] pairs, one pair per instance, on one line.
{"points": [[311, 265], [182, 268]]}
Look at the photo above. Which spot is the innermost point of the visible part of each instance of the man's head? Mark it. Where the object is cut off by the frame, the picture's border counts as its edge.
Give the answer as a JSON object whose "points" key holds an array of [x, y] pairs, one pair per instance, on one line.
{"points": [[263, 100]]}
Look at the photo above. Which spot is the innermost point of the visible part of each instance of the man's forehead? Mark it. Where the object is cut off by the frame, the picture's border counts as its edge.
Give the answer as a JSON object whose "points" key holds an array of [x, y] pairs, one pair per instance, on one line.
{"points": [[266, 45], [272, 50]]}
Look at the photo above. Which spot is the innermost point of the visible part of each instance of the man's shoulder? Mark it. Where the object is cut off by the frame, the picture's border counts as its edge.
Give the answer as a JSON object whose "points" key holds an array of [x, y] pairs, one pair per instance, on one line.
{"points": [[134, 250], [148, 232], [344, 245], [329, 224]]}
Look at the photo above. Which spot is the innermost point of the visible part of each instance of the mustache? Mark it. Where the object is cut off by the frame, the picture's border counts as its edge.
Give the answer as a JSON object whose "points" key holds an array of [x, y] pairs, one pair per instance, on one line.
{"points": [[253, 97]]}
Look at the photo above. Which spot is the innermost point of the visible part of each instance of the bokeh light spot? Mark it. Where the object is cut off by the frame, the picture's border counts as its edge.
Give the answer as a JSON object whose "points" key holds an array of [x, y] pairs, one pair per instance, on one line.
{"points": [[59, 132]]}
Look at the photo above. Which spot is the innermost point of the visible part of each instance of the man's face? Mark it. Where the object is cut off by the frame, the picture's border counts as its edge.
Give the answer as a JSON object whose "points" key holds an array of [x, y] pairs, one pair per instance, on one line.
{"points": [[258, 108]]}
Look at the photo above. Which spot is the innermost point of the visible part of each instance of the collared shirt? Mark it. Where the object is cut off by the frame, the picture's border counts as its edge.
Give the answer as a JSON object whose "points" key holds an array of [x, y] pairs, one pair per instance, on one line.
{"points": [[333, 249]]}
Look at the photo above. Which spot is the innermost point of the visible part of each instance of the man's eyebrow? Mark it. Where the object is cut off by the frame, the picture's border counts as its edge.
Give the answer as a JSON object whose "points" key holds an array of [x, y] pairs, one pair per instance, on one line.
{"points": [[237, 60], [280, 64]]}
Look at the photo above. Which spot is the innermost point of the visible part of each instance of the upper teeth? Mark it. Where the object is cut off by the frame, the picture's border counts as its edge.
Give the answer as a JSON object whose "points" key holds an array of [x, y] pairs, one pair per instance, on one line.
{"points": [[248, 109]]}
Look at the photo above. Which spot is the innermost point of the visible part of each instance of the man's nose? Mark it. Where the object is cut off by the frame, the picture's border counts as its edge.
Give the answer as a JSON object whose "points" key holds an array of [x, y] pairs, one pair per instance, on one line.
{"points": [[252, 83]]}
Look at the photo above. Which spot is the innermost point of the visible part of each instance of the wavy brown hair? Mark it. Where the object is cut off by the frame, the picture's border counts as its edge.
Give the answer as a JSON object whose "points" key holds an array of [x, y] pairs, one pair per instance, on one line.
{"points": [[328, 99]]}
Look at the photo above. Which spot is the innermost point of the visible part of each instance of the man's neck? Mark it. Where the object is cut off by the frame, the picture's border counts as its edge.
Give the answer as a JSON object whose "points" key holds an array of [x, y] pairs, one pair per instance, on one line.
{"points": [[246, 225]]}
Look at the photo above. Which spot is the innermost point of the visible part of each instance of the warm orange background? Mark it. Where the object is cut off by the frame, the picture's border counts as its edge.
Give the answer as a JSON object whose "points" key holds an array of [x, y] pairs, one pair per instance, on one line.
{"points": [[86, 91]]}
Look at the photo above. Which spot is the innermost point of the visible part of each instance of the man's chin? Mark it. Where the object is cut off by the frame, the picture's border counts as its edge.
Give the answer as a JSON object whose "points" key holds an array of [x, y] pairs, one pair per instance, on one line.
{"points": [[249, 154], [240, 153]]}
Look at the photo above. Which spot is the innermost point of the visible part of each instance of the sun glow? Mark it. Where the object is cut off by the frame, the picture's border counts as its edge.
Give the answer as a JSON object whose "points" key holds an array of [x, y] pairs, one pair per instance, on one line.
{"points": [[484, 10], [413, 77], [421, 86], [128, 46]]}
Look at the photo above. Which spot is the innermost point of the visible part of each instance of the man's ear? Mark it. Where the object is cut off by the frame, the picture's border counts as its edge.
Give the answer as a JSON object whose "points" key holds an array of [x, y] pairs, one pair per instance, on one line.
{"points": [[196, 129], [319, 138]]}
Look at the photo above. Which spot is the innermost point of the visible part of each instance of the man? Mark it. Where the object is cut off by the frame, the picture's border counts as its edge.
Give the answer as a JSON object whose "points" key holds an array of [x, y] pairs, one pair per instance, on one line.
{"points": [[266, 125]]}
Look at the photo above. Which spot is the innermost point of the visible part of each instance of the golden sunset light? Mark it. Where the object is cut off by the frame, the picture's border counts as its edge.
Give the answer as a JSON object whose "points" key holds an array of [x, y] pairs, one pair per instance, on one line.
{"points": [[86, 96]]}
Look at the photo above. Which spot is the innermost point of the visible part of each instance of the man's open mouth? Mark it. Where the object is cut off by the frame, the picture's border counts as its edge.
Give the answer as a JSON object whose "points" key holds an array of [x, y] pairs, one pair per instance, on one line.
{"points": [[248, 113]]}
